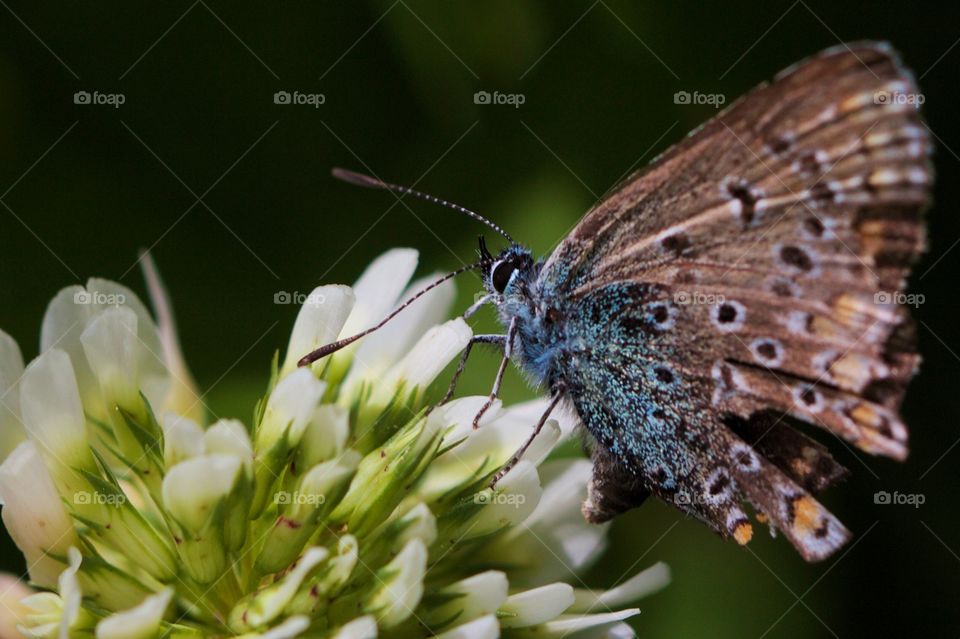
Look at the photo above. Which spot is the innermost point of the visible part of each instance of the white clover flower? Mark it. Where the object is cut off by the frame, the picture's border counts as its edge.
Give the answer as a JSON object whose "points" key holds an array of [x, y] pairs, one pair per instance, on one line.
{"points": [[346, 510]]}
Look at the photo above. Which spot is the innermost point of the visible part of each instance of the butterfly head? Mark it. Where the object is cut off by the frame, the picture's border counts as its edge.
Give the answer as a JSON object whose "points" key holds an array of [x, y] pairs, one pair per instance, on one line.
{"points": [[508, 272]]}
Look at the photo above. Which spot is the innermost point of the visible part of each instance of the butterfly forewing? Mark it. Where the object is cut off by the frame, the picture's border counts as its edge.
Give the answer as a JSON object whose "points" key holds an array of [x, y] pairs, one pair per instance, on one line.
{"points": [[761, 262]]}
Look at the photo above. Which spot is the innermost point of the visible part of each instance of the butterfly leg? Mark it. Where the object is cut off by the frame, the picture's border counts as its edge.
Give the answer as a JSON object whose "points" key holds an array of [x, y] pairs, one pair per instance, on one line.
{"points": [[517, 456], [499, 340], [498, 380]]}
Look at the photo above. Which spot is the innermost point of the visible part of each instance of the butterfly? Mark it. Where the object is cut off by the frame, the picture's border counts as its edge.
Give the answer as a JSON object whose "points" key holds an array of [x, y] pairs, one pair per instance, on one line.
{"points": [[745, 283]]}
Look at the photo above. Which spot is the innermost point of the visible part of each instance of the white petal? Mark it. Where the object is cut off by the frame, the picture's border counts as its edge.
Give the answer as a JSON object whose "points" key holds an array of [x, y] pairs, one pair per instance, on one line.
{"points": [[290, 628], [51, 410], [555, 542], [534, 607], [395, 600], [271, 602], [69, 589], [530, 412], [511, 502], [460, 412], [229, 437], [645, 583], [568, 624], [65, 319], [473, 597], [11, 369], [154, 377], [379, 287], [360, 628], [484, 449], [192, 488], [419, 523], [142, 622], [33, 513], [379, 350], [318, 324], [483, 628], [426, 359], [326, 435], [182, 439], [113, 352], [291, 404]]}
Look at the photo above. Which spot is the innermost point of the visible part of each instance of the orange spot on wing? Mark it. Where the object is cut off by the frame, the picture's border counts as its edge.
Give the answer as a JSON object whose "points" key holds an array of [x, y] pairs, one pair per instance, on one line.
{"points": [[806, 518], [743, 533]]}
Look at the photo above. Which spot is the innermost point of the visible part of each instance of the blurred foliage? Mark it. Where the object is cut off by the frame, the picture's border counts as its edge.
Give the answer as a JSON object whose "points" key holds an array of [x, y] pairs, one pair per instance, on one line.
{"points": [[232, 193]]}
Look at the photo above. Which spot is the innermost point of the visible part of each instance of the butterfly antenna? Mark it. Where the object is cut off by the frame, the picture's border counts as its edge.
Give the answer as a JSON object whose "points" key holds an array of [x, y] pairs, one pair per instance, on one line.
{"points": [[373, 183], [333, 347]]}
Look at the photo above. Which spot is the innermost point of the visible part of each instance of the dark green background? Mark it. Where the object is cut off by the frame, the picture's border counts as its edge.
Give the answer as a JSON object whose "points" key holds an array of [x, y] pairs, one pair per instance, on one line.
{"points": [[399, 82]]}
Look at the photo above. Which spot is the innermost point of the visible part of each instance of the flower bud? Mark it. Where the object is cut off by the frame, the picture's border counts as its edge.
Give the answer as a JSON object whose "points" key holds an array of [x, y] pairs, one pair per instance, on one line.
{"points": [[194, 493], [301, 511], [288, 411], [266, 605], [324, 437], [384, 476], [318, 323], [467, 599], [182, 439], [54, 421], [400, 587], [326, 584], [534, 607], [510, 502], [110, 344], [34, 515], [428, 357]]}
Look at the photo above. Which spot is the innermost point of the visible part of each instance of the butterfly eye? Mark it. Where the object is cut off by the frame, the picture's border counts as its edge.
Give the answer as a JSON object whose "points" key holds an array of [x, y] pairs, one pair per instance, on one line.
{"points": [[500, 275]]}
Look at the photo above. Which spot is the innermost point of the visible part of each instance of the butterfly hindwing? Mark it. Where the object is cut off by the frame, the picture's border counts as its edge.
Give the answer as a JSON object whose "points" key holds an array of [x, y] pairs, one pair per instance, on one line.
{"points": [[757, 268]]}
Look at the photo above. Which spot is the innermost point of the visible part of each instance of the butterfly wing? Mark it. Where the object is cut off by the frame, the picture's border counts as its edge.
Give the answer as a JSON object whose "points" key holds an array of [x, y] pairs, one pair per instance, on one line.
{"points": [[771, 247], [650, 409]]}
